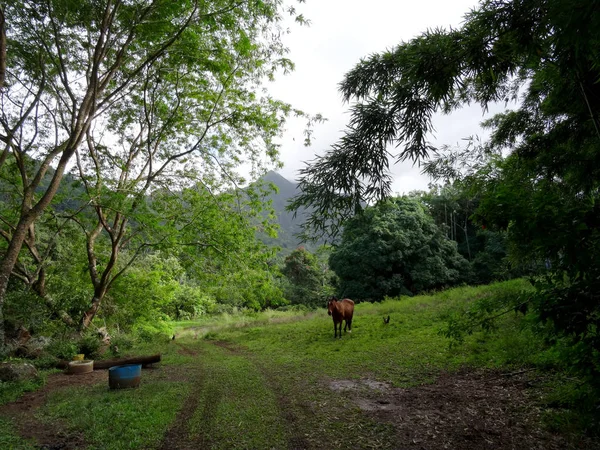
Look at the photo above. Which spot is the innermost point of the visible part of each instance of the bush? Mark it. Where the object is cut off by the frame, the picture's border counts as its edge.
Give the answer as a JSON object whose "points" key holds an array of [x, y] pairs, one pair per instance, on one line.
{"points": [[120, 343], [45, 362], [89, 345], [395, 248], [150, 331], [62, 349]]}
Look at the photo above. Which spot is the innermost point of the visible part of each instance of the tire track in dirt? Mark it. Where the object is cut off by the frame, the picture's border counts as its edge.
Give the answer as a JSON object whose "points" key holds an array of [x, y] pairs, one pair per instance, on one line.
{"points": [[296, 440], [48, 435], [183, 350], [178, 433], [209, 414]]}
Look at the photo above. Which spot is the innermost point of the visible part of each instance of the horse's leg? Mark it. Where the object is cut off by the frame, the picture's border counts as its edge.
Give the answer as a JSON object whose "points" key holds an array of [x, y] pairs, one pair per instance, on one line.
{"points": [[349, 323]]}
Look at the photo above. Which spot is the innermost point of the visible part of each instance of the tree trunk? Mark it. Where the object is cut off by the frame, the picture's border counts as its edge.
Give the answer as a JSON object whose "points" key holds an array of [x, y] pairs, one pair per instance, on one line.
{"points": [[101, 282], [2, 47], [28, 216], [467, 237], [100, 365], [89, 315], [8, 263]]}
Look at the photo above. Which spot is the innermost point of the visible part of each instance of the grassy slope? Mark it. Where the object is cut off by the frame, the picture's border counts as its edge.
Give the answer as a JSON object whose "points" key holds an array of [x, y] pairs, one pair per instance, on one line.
{"points": [[407, 351], [261, 381]]}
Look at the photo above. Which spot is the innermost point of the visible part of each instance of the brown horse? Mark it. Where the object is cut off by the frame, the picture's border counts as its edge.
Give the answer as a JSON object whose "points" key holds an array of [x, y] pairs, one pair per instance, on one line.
{"points": [[340, 311]]}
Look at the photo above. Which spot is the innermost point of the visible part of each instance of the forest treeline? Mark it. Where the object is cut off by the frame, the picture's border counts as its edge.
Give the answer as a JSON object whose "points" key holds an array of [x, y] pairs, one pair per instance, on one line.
{"points": [[123, 125], [207, 258]]}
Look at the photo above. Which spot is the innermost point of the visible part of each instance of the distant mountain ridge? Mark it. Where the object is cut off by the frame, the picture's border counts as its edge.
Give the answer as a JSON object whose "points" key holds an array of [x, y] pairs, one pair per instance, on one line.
{"points": [[289, 225]]}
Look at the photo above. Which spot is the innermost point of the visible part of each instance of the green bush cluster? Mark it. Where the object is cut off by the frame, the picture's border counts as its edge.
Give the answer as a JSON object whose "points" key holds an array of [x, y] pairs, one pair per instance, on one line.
{"points": [[395, 248]]}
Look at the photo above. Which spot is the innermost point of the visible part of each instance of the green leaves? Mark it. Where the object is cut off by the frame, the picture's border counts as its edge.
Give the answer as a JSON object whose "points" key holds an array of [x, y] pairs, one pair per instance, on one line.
{"points": [[395, 248], [502, 47], [157, 102], [537, 178], [306, 277]]}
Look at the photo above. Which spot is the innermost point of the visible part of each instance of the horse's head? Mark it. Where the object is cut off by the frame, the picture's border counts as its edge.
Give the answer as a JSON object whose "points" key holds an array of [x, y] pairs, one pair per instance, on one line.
{"points": [[331, 304]]}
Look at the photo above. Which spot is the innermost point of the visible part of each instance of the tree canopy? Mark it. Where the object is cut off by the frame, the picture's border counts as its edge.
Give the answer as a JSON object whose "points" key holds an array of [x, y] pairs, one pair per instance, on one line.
{"points": [[395, 248], [542, 51], [307, 283], [143, 96]]}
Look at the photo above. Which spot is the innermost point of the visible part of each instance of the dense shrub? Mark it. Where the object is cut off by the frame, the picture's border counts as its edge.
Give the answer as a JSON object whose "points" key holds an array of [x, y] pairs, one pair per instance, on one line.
{"points": [[395, 248]]}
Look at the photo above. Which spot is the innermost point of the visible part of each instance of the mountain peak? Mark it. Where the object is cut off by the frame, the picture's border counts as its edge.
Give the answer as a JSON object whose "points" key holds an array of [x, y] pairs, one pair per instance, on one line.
{"points": [[276, 178]]}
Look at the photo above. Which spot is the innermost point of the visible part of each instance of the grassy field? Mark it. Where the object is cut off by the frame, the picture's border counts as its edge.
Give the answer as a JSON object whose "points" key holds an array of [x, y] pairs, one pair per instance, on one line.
{"points": [[280, 380]]}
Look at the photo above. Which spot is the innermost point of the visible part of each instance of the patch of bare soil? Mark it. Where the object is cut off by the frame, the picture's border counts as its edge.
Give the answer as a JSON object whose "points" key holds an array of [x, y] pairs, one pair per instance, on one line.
{"points": [[184, 350], [49, 436], [459, 411], [177, 436]]}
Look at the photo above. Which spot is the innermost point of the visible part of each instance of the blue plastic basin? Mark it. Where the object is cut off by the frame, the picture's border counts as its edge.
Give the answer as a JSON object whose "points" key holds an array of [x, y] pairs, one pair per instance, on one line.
{"points": [[127, 376]]}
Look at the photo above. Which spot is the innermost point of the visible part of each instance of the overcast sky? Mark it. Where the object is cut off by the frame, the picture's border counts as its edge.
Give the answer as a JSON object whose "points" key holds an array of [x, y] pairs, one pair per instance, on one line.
{"points": [[340, 34]]}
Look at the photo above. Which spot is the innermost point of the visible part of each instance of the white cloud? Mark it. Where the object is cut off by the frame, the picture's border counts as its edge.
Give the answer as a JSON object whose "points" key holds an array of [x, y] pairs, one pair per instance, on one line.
{"points": [[341, 33]]}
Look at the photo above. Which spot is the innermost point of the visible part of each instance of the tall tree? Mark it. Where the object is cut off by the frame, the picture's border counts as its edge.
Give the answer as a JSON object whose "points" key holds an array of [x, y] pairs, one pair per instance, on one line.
{"points": [[193, 123], [452, 207], [544, 48], [2, 46], [74, 68], [306, 278]]}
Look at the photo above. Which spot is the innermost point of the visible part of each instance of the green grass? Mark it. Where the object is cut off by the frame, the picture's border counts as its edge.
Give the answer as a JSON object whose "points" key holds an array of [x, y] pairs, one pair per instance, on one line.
{"points": [[409, 350], [9, 440], [9, 392], [119, 419], [237, 408], [262, 380], [12, 390], [210, 324]]}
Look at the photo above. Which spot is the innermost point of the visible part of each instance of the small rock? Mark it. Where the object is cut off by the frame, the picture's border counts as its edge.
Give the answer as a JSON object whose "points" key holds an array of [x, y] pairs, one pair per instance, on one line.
{"points": [[17, 371], [39, 342]]}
